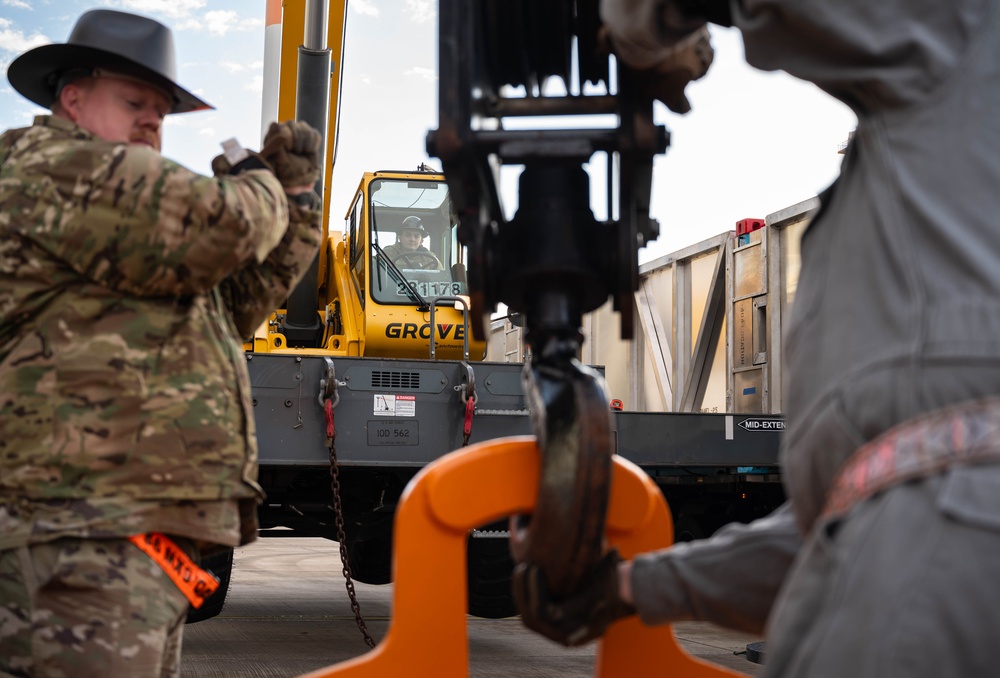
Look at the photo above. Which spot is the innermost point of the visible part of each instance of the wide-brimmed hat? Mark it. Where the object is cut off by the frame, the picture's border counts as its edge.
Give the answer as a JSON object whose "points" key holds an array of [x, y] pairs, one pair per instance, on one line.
{"points": [[121, 43]]}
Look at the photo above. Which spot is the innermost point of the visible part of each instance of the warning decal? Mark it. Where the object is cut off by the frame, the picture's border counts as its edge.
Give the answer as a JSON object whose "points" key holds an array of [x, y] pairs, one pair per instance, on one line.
{"points": [[394, 405]]}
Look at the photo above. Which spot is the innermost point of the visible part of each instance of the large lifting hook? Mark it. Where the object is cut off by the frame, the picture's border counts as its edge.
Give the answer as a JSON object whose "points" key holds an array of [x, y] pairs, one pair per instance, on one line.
{"points": [[553, 261], [554, 281], [573, 425]]}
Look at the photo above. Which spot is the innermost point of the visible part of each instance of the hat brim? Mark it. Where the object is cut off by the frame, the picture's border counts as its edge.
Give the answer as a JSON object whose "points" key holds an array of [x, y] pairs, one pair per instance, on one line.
{"points": [[33, 74]]}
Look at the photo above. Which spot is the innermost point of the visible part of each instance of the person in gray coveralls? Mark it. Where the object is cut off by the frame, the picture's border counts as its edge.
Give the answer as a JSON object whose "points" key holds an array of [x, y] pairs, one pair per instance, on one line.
{"points": [[885, 561]]}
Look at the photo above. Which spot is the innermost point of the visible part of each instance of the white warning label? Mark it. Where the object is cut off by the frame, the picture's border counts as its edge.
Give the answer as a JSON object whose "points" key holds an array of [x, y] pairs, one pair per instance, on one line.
{"points": [[395, 405], [763, 424]]}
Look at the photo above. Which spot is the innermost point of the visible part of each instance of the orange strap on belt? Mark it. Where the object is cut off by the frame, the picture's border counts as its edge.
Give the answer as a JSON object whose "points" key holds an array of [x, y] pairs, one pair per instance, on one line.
{"points": [[195, 583]]}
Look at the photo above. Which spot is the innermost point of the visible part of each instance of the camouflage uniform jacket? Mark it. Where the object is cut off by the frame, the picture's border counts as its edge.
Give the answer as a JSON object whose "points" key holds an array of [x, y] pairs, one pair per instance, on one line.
{"points": [[125, 283], [395, 250]]}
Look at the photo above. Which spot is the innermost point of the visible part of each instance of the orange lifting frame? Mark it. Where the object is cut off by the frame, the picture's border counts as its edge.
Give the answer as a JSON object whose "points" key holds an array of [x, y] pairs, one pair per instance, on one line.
{"points": [[482, 483]]}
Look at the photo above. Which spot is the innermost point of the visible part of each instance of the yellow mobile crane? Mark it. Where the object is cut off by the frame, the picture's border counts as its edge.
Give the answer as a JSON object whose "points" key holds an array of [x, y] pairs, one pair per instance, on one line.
{"points": [[356, 300], [370, 369]]}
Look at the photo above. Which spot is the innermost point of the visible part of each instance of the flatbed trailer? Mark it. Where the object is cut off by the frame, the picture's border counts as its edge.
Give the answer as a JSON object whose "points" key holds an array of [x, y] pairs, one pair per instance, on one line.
{"points": [[712, 468], [393, 417]]}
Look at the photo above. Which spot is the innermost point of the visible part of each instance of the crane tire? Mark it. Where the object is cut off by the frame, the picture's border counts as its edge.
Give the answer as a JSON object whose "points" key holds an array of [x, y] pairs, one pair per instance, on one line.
{"points": [[490, 566], [221, 565]]}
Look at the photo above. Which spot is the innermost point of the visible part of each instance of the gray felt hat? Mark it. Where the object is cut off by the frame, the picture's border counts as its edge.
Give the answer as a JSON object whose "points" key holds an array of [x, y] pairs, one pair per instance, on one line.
{"points": [[122, 43]]}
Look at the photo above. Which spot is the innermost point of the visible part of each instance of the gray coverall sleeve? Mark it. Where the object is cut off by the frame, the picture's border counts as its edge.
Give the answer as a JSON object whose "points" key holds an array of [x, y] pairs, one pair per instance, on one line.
{"points": [[730, 579], [871, 55]]}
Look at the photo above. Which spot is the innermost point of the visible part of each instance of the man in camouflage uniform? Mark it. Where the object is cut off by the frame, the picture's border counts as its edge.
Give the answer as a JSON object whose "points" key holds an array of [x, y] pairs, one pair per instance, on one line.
{"points": [[126, 285]]}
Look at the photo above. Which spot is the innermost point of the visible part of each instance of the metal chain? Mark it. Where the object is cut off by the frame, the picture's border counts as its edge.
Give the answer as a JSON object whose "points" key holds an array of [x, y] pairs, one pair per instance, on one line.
{"points": [[341, 537]]}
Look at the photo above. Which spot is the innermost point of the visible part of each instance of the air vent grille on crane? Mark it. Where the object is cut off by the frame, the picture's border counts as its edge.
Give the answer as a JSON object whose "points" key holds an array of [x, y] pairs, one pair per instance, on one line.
{"points": [[395, 380]]}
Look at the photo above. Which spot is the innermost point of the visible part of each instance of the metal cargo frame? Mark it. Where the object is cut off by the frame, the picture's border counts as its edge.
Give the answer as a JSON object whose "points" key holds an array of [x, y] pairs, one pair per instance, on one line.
{"points": [[737, 288]]}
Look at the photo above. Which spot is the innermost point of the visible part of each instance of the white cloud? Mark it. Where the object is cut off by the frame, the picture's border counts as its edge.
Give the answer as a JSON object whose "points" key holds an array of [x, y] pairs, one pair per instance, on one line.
{"points": [[421, 10], [239, 67], [19, 4], [28, 116], [220, 22], [255, 84], [366, 7], [14, 40], [422, 72], [172, 121], [175, 9]]}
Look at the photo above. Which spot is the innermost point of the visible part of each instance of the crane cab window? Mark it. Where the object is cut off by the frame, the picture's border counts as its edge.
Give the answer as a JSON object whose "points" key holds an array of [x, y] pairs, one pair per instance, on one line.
{"points": [[413, 243], [357, 244]]}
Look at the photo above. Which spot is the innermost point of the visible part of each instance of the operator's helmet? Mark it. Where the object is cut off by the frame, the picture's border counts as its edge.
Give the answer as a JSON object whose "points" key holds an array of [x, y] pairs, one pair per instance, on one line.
{"points": [[104, 41], [412, 223]]}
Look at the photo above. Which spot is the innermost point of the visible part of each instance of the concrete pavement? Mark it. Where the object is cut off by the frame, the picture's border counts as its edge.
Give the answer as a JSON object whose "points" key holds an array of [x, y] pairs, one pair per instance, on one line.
{"points": [[288, 613]]}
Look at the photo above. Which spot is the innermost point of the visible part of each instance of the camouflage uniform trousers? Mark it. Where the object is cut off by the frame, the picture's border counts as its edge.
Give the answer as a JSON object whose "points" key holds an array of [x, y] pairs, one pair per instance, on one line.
{"points": [[74, 608]]}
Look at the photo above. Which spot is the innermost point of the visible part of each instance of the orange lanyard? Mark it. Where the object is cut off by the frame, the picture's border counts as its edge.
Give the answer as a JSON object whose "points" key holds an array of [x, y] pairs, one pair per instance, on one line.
{"points": [[195, 583]]}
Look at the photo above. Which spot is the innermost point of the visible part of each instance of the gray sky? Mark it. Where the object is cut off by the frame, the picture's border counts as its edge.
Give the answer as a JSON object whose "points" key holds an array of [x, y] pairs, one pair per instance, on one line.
{"points": [[754, 143]]}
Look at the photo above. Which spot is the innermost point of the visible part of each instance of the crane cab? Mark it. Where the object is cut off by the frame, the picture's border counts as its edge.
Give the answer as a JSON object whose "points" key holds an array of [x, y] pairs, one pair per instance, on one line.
{"points": [[396, 264]]}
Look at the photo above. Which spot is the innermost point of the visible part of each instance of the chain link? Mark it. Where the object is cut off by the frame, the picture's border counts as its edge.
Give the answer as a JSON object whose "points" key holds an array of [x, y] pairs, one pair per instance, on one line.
{"points": [[339, 515], [342, 538]]}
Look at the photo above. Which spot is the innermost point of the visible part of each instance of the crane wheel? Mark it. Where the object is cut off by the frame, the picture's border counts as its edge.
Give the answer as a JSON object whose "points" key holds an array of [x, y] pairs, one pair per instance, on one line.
{"points": [[221, 565], [490, 567]]}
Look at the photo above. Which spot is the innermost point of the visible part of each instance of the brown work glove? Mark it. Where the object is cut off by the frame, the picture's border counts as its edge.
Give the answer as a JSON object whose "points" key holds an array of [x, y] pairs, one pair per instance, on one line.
{"points": [[222, 167], [292, 149], [689, 62], [579, 618], [661, 48]]}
